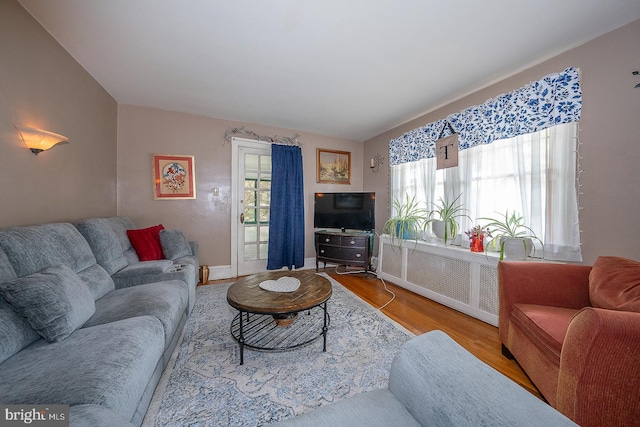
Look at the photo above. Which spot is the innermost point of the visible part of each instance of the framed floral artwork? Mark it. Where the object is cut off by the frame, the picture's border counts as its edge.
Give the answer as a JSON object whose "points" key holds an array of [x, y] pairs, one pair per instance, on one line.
{"points": [[173, 177], [334, 167]]}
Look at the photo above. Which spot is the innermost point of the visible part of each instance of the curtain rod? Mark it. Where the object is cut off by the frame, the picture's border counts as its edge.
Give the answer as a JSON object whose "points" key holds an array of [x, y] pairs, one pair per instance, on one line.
{"points": [[284, 140]]}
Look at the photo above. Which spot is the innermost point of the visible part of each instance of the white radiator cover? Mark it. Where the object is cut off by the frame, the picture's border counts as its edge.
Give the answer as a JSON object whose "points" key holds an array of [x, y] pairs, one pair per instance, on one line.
{"points": [[456, 277]]}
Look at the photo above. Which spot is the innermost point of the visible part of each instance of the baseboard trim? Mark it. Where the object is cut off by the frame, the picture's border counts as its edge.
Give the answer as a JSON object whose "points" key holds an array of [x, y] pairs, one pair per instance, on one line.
{"points": [[219, 272]]}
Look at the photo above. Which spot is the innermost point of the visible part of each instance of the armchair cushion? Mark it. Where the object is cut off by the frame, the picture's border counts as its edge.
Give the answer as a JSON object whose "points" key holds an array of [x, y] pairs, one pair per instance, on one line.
{"points": [[174, 244], [146, 242], [55, 301], [546, 326], [614, 283]]}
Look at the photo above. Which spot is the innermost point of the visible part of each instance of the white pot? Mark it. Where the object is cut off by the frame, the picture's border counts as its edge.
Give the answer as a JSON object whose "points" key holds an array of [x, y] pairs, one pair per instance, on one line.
{"points": [[517, 248], [438, 228]]}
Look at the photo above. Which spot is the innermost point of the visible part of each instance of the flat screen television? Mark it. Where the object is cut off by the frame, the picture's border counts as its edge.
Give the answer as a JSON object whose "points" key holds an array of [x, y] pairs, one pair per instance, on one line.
{"points": [[346, 211]]}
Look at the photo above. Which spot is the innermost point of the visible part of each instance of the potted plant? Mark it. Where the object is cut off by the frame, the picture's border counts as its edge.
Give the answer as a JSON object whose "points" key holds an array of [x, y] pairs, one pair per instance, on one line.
{"points": [[443, 217], [513, 238], [407, 221]]}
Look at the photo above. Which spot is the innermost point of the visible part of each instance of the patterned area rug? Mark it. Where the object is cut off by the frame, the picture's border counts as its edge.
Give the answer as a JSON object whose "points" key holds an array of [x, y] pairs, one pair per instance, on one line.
{"points": [[207, 386]]}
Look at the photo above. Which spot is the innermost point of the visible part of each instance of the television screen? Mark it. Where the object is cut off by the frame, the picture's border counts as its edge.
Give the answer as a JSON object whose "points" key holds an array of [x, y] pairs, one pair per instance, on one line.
{"points": [[346, 211]]}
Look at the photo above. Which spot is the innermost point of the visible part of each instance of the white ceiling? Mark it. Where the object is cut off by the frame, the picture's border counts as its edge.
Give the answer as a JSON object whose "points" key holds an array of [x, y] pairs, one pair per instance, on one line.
{"points": [[346, 68]]}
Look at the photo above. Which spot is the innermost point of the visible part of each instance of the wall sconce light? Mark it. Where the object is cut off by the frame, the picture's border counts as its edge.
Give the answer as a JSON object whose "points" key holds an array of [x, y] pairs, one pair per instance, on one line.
{"points": [[38, 140], [375, 162]]}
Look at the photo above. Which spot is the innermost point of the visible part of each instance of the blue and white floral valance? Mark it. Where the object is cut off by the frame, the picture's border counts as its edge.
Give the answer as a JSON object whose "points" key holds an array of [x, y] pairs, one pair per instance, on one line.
{"points": [[555, 99]]}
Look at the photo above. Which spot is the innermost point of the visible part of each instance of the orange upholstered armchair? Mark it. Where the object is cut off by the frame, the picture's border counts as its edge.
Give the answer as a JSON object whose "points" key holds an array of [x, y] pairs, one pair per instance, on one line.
{"points": [[575, 331]]}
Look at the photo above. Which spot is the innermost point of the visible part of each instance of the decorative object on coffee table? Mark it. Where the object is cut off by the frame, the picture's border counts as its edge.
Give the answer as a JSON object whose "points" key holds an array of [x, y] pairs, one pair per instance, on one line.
{"points": [[283, 284], [285, 320]]}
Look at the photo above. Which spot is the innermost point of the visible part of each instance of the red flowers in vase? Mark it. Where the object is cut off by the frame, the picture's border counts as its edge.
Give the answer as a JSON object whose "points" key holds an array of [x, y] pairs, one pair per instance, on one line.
{"points": [[476, 235]]}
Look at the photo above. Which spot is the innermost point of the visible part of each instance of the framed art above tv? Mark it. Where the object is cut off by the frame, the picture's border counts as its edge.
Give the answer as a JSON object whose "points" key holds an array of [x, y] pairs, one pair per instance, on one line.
{"points": [[333, 167]]}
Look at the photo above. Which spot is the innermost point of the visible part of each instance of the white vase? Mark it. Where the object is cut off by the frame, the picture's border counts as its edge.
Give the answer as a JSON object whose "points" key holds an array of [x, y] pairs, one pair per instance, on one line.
{"points": [[437, 227], [517, 248]]}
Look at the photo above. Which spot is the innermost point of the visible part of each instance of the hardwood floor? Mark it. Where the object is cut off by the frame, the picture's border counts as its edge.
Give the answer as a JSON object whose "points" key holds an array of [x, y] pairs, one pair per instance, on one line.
{"points": [[420, 315]]}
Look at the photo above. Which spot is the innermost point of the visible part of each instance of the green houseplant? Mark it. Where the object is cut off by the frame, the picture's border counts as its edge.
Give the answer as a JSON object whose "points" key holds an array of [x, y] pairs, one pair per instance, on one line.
{"points": [[444, 217], [408, 219], [511, 235]]}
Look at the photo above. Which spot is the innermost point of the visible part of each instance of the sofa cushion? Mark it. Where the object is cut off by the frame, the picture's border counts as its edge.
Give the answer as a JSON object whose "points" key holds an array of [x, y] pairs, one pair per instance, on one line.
{"points": [[146, 242], [146, 267], [373, 408], [545, 326], [6, 269], [98, 280], [30, 249], [55, 301], [166, 301], [109, 365], [15, 331], [104, 243], [614, 284], [174, 244]]}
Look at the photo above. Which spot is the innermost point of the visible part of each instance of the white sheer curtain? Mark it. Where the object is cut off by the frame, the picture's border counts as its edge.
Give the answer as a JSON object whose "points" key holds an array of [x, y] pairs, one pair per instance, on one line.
{"points": [[532, 174]]}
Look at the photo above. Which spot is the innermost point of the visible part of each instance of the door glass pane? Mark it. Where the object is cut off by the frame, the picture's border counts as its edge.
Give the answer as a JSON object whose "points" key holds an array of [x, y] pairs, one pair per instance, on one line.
{"points": [[250, 216], [251, 161], [249, 197], [265, 198], [250, 179], [264, 250], [264, 216], [264, 233], [250, 234], [265, 163], [250, 252]]}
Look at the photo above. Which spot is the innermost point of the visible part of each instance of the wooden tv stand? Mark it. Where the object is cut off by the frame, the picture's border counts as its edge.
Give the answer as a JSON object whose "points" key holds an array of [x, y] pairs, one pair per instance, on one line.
{"points": [[344, 248]]}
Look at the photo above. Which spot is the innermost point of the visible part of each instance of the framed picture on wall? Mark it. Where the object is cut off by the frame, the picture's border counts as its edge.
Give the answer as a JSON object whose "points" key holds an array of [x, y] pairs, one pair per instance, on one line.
{"points": [[334, 167], [173, 177]]}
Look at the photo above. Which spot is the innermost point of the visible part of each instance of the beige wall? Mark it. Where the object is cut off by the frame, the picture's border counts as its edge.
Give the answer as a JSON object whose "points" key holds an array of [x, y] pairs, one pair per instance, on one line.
{"points": [[145, 131], [42, 86], [609, 133]]}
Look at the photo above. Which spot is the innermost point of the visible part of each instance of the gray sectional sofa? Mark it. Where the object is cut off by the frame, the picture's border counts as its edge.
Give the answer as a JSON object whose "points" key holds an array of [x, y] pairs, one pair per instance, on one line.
{"points": [[84, 323]]}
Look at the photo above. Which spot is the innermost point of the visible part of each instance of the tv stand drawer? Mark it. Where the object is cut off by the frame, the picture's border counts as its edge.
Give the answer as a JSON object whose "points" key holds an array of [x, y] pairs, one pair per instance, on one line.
{"points": [[354, 241], [343, 248], [338, 253], [328, 239]]}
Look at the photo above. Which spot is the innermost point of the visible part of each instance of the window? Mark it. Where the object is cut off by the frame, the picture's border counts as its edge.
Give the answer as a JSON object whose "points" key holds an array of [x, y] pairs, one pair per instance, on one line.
{"points": [[533, 174]]}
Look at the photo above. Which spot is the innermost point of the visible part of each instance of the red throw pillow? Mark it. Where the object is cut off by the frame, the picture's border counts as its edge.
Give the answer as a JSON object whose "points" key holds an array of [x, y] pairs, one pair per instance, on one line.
{"points": [[614, 283], [146, 242]]}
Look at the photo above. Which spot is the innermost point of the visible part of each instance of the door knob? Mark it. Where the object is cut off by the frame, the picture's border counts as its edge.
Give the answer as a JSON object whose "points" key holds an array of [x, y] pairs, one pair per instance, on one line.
{"points": [[242, 218]]}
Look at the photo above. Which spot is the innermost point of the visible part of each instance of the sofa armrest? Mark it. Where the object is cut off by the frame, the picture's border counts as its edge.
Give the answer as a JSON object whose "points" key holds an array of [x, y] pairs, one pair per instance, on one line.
{"points": [[599, 379], [441, 383], [195, 248], [540, 283]]}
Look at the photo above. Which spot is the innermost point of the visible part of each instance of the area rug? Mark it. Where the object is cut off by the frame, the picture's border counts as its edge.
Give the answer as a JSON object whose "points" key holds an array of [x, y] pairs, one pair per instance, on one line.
{"points": [[205, 385]]}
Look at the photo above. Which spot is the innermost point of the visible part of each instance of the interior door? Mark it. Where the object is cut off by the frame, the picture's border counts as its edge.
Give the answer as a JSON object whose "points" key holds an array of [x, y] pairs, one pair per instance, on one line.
{"points": [[252, 201]]}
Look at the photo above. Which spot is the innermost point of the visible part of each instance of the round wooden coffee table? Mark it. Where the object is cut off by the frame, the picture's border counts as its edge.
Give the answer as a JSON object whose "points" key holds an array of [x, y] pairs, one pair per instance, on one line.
{"points": [[278, 321]]}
